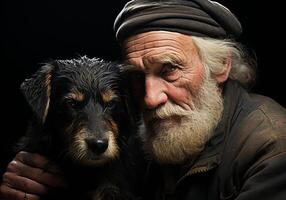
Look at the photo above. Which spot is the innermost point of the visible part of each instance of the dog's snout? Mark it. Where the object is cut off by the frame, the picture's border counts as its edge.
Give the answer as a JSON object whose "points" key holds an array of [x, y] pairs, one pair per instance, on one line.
{"points": [[97, 146]]}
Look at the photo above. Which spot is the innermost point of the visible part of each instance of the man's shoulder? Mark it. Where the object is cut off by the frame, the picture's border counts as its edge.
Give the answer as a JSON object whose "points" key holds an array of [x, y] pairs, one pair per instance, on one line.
{"points": [[263, 114], [255, 145], [258, 132], [249, 113]]}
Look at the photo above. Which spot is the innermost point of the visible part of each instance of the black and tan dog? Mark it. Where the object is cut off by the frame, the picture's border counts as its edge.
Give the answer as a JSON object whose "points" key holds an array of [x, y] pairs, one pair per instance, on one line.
{"points": [[82, 122]]}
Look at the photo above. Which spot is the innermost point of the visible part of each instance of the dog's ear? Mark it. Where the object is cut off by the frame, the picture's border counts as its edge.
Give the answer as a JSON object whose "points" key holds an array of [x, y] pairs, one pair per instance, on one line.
{"points": [[37, 91]]}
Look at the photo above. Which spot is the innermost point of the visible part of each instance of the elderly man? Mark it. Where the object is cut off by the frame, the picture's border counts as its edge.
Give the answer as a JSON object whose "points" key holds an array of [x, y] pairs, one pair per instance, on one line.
{"points": [[204, 136]]}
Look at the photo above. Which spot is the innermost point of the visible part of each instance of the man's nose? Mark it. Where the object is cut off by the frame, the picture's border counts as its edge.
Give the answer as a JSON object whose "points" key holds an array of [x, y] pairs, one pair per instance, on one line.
{"points": [[154, 92]]}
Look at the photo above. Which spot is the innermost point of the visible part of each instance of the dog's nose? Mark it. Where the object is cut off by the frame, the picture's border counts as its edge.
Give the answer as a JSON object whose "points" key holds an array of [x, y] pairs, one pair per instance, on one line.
{"points": [[97, 146]]}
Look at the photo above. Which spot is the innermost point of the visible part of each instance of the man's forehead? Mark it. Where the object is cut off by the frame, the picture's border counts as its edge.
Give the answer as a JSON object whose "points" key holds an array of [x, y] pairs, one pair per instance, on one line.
{"points": [[157, 46], [164, 57]]}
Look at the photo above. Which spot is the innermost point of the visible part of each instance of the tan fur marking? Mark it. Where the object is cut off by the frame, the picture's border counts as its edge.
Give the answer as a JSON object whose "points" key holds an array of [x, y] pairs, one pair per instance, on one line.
{"points": [[48, 85], [108, 95], [112, 150], [78, 147], [77, 96], [114, 127]]}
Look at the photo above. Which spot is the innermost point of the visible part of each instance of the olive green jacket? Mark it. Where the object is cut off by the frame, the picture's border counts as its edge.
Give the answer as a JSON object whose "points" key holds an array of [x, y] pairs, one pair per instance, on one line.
{"points": [[244, 160]]}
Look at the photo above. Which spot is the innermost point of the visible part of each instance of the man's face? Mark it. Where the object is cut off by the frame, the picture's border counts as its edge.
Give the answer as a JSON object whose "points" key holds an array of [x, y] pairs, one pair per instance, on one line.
{"points": [[172, 67], [181, 103]]}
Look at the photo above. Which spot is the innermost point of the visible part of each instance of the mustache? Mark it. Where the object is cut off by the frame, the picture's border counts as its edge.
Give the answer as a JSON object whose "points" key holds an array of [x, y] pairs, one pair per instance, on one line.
{"points": [[169, 109]]}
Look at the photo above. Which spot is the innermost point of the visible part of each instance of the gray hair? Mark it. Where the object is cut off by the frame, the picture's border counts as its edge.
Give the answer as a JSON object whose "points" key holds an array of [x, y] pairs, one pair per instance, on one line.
{"points": [[214, 53]]}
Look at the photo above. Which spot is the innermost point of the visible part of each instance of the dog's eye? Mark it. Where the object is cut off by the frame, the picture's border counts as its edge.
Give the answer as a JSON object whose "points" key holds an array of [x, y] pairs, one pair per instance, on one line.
{"points": [[110, 105], [71, 102]]}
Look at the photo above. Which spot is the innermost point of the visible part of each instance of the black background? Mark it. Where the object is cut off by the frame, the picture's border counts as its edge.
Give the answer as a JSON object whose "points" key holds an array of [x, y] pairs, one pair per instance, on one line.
{"points": [[36, 31]]}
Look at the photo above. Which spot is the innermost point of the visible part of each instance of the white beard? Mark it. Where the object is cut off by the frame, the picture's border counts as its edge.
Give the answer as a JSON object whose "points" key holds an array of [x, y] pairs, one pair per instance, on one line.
{"points": [[173, 134]]}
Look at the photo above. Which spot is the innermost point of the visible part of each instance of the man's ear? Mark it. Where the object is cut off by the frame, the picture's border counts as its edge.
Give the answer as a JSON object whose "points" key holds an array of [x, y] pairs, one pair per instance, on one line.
{"points": [[223, 76], [37, 91]]}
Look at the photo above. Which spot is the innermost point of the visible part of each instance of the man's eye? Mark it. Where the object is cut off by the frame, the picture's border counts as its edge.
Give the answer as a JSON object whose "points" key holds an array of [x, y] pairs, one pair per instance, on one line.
{"points": [[170, 72], [169, 68]]}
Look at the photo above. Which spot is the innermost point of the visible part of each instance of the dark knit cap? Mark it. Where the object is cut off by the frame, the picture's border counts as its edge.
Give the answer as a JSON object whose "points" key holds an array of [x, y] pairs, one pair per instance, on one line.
{"points": [[203, 18]]}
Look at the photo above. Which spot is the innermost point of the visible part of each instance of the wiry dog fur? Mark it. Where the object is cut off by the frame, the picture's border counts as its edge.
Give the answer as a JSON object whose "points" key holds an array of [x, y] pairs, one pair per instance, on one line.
{"points": [[82, 123]]}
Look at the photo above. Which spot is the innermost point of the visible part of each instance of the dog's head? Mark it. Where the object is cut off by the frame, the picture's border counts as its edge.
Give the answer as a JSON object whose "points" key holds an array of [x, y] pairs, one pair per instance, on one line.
{"points": [[81, 103]]}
